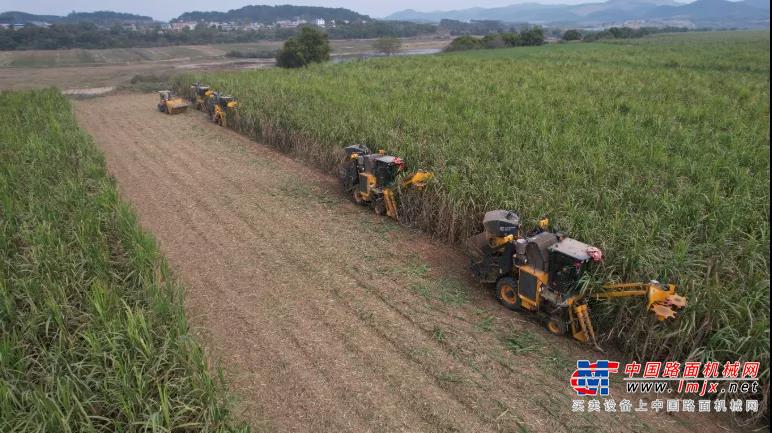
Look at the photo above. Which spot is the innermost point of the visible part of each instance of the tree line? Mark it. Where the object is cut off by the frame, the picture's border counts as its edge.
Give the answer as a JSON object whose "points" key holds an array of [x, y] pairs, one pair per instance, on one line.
{"points": [[621, 33], [527, 37], [91, 36], [270, 14]]}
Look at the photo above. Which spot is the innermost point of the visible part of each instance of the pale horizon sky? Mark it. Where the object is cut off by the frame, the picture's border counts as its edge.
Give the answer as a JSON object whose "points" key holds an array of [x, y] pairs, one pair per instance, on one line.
{"points": [[166, 10]]}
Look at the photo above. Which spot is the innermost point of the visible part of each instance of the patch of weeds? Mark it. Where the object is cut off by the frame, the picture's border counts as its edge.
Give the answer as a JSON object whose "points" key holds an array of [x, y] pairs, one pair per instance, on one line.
{"points": [[452, 292], [422, 289], [449, 377], [558, 363], [416, 270], [447, 290], [485, 324], [295, 190], [438, 334], [325, 198], [521, 342]]}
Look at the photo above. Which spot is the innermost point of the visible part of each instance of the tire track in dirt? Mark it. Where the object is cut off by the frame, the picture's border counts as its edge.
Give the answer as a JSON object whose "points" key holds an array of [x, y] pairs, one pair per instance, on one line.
{"points": [[307, 300], [178, 174], [467, 374], [303, 381], [197, 192]]}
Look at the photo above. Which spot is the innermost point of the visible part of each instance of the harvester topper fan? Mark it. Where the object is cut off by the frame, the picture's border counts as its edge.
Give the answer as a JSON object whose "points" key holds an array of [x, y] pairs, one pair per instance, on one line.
{"points": [[677, 301], [663, 312]]}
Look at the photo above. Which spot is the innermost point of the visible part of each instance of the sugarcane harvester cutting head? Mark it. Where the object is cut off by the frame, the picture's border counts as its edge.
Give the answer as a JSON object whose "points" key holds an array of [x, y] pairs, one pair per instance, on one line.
{"points": [[542, 272], [372, 178], [171, 104]]}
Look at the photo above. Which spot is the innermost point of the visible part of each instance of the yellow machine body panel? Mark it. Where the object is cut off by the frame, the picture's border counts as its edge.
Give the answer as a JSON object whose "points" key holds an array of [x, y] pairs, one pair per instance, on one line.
{"points": [[176, 105], [171, 104], [542, 278]]}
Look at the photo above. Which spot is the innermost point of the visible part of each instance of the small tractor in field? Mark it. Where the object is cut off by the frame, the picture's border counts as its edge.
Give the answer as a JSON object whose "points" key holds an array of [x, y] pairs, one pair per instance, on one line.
{"points": [[219, 106], [171, 104], [543, 271], [199, 95], [371, 178]]}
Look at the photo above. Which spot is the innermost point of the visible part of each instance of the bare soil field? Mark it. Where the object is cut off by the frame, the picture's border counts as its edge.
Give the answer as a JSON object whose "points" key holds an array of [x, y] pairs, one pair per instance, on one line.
{"points": [[78, 68], [325, 317]]}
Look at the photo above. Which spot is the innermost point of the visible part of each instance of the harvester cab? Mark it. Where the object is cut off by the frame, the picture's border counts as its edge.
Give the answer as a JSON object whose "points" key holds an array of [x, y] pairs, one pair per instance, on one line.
{"points": [[543, 273], [199, 95], [371, 178], [221, 106], [171, 104]]}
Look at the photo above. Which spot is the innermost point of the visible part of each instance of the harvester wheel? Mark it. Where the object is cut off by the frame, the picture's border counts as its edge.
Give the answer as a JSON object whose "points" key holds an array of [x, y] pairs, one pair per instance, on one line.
{"points": [[557, 326], [379, 206], [506, 293], [357, 199]]}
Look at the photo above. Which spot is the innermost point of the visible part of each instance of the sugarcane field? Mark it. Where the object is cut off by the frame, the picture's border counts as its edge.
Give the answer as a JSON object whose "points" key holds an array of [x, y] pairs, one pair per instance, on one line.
{"points": [[385, 217]]}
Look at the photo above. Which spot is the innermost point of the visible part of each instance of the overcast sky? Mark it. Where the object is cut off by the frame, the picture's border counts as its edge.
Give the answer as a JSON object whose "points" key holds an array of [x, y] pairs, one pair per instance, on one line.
{"points": [[167, 9]]}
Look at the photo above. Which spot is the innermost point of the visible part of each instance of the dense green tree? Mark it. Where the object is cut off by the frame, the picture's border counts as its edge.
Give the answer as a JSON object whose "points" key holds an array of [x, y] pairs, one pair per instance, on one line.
{"points": [[465, 42], [309, 46], [493, 41], [572, 35], [512, 39], [533, 36]]}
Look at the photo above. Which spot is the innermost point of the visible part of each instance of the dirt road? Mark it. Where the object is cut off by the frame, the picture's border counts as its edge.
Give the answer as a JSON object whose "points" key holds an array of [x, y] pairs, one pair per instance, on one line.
{"points": [[326, 317], [79, 68]]}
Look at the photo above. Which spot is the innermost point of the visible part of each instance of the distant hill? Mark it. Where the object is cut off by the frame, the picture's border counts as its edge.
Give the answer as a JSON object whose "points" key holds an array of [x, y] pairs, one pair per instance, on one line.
{"points": [[99, 17], [270, 14], [761, 4], [105, 17], [15, 17], [712, 13], [536, 12]]}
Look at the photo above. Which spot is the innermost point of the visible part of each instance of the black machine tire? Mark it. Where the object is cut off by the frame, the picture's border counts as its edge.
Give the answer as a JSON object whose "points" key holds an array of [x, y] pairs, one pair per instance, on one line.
{"points": [[347, 175], [358, 200], [161, 108], [557, 325], [506, 293], [379, 206]]}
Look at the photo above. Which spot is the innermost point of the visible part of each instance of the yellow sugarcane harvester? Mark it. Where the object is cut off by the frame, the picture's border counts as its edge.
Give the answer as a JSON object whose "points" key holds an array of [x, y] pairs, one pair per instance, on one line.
{"points": [[199, 93], [372, 178], [218, 106], [542, 272]]}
